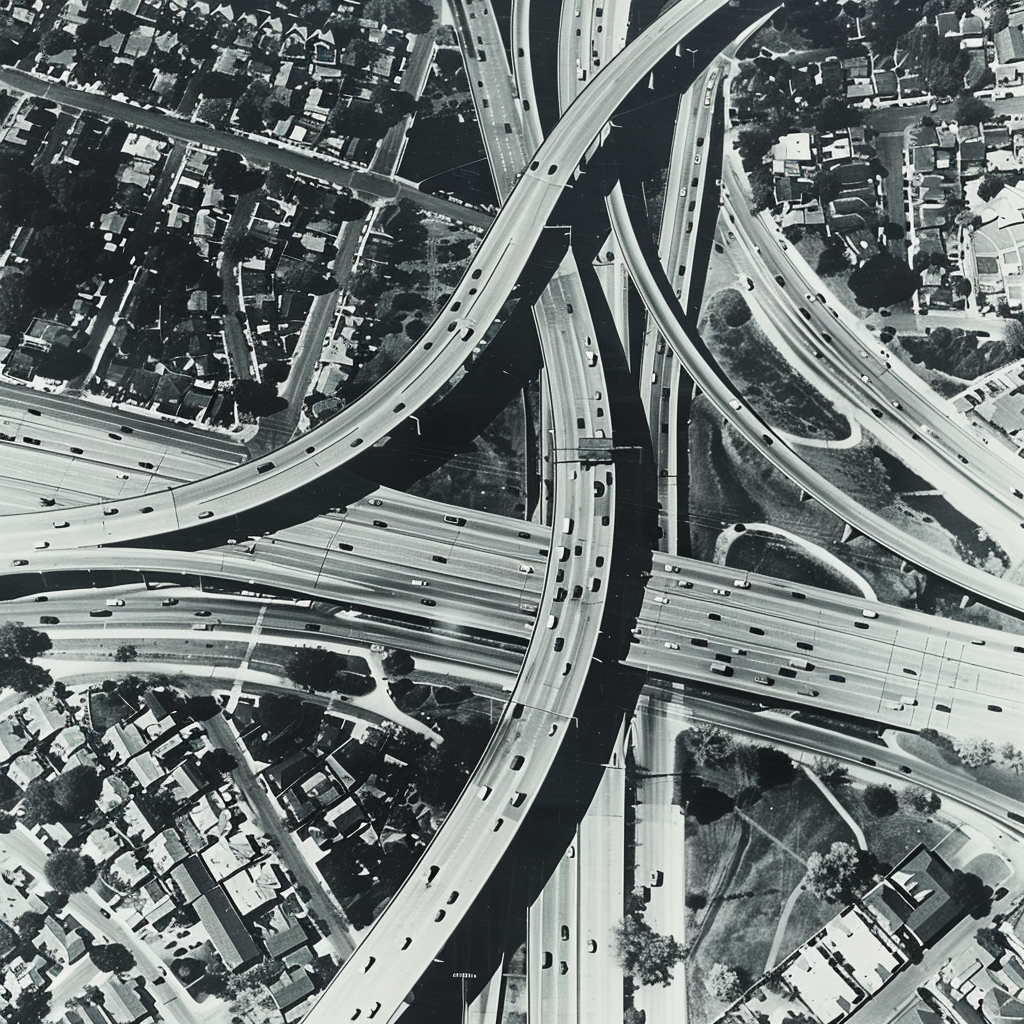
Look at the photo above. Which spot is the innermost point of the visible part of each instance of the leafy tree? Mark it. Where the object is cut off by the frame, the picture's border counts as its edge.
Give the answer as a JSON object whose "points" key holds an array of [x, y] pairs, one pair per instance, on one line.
{"points": [[8, 822], [764, 767], [882, 281], [711, 746], [832, 261], [971, 110], [762, 189], [20, 641], [315, 668], [991, 940], [257, 398], [126, 652], [990, 186], [24, 677], [918, 798], [834, 114], [833, 876], [975, 752], [398, 663], [695, 901], [243, 246], [881, 801], [723, 983], [631, 1015], [32, 1007], [40, 806], [68, 871], [230, 174], [56, 41], [413, 16], [998, 20], [644, 954], [834, 774], [214, 110], [77, 790], [28, 925], [113, 957]]}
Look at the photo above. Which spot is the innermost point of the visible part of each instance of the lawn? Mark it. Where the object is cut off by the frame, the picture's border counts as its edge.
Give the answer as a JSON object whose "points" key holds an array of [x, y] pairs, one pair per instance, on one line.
{"points": [[747, 878], [779, 556], [891, 838]]}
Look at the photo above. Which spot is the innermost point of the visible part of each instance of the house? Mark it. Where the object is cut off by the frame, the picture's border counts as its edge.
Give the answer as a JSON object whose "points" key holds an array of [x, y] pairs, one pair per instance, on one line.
{"points": [[122, 1003], [291, 988], [193, 878], [1009, 45], [281, 943], [166, 850], [916, 900], [228, 933]]}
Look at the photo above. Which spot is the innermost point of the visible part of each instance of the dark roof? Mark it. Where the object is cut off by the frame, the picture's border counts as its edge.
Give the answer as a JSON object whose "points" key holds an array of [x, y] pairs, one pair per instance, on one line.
{"points": [[193, 878], [158, 703], [291, 988], [287, 772], [1009, 45], [284, 942], [929, 891], [227, 931]]}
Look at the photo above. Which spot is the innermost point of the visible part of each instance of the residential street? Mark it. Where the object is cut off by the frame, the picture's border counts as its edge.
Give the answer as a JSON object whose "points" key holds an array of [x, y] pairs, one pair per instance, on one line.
{"points": [[374, 186]]}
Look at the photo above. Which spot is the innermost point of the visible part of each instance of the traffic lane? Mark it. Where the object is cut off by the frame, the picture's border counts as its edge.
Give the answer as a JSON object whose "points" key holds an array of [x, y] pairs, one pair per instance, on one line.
{"points": [[16, 401]]}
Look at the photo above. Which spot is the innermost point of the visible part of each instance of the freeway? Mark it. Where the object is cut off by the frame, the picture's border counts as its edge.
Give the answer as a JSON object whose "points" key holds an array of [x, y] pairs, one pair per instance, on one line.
{"points": [[472, 307], [522, 75], [694, 616], [459, 859], [79, 449], [497, 112]]}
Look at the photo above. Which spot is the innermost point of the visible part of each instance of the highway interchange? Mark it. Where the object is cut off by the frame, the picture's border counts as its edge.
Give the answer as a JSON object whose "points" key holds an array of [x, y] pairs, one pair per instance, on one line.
{"points": [[517, 601]]}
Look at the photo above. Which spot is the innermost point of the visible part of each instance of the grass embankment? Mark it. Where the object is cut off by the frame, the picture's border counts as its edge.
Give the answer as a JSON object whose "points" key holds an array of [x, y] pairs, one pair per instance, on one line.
{"points": [[761, 373], [779, 556], [730, 482], [939, 751], [748, 873], [489, 475]]}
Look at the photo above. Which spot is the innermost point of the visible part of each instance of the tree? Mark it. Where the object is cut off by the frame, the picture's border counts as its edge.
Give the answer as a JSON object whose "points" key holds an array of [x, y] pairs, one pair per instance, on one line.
{"points": [[919, 799], [971, 110], [20, 641], [991, 940], [56, 41], [8, 822], [723, 983], [990, 186], [68, 871], [631, 1015], [32, 1007], [764, 767], [24, 677], [243, 246], [77, 790], [998, 20], [113, 957], [39, 806], [711, 746], [832, 261], [406, 15], [695, 901], [398, 663], [126, 652], [314, 668], [257, 398], [882, 281], [975, 752], [217, 763], [833, 876], [881, 801], [28, 925], [831, 772], [644, 954]]}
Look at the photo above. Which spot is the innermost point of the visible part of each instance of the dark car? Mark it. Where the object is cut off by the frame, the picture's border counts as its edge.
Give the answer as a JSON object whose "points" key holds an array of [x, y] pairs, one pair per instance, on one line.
{"points": [[780, 279]]}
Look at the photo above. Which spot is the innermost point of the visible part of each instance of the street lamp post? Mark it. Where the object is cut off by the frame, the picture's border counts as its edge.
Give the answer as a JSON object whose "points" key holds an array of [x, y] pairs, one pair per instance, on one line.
{"points": [[693, 57]]}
